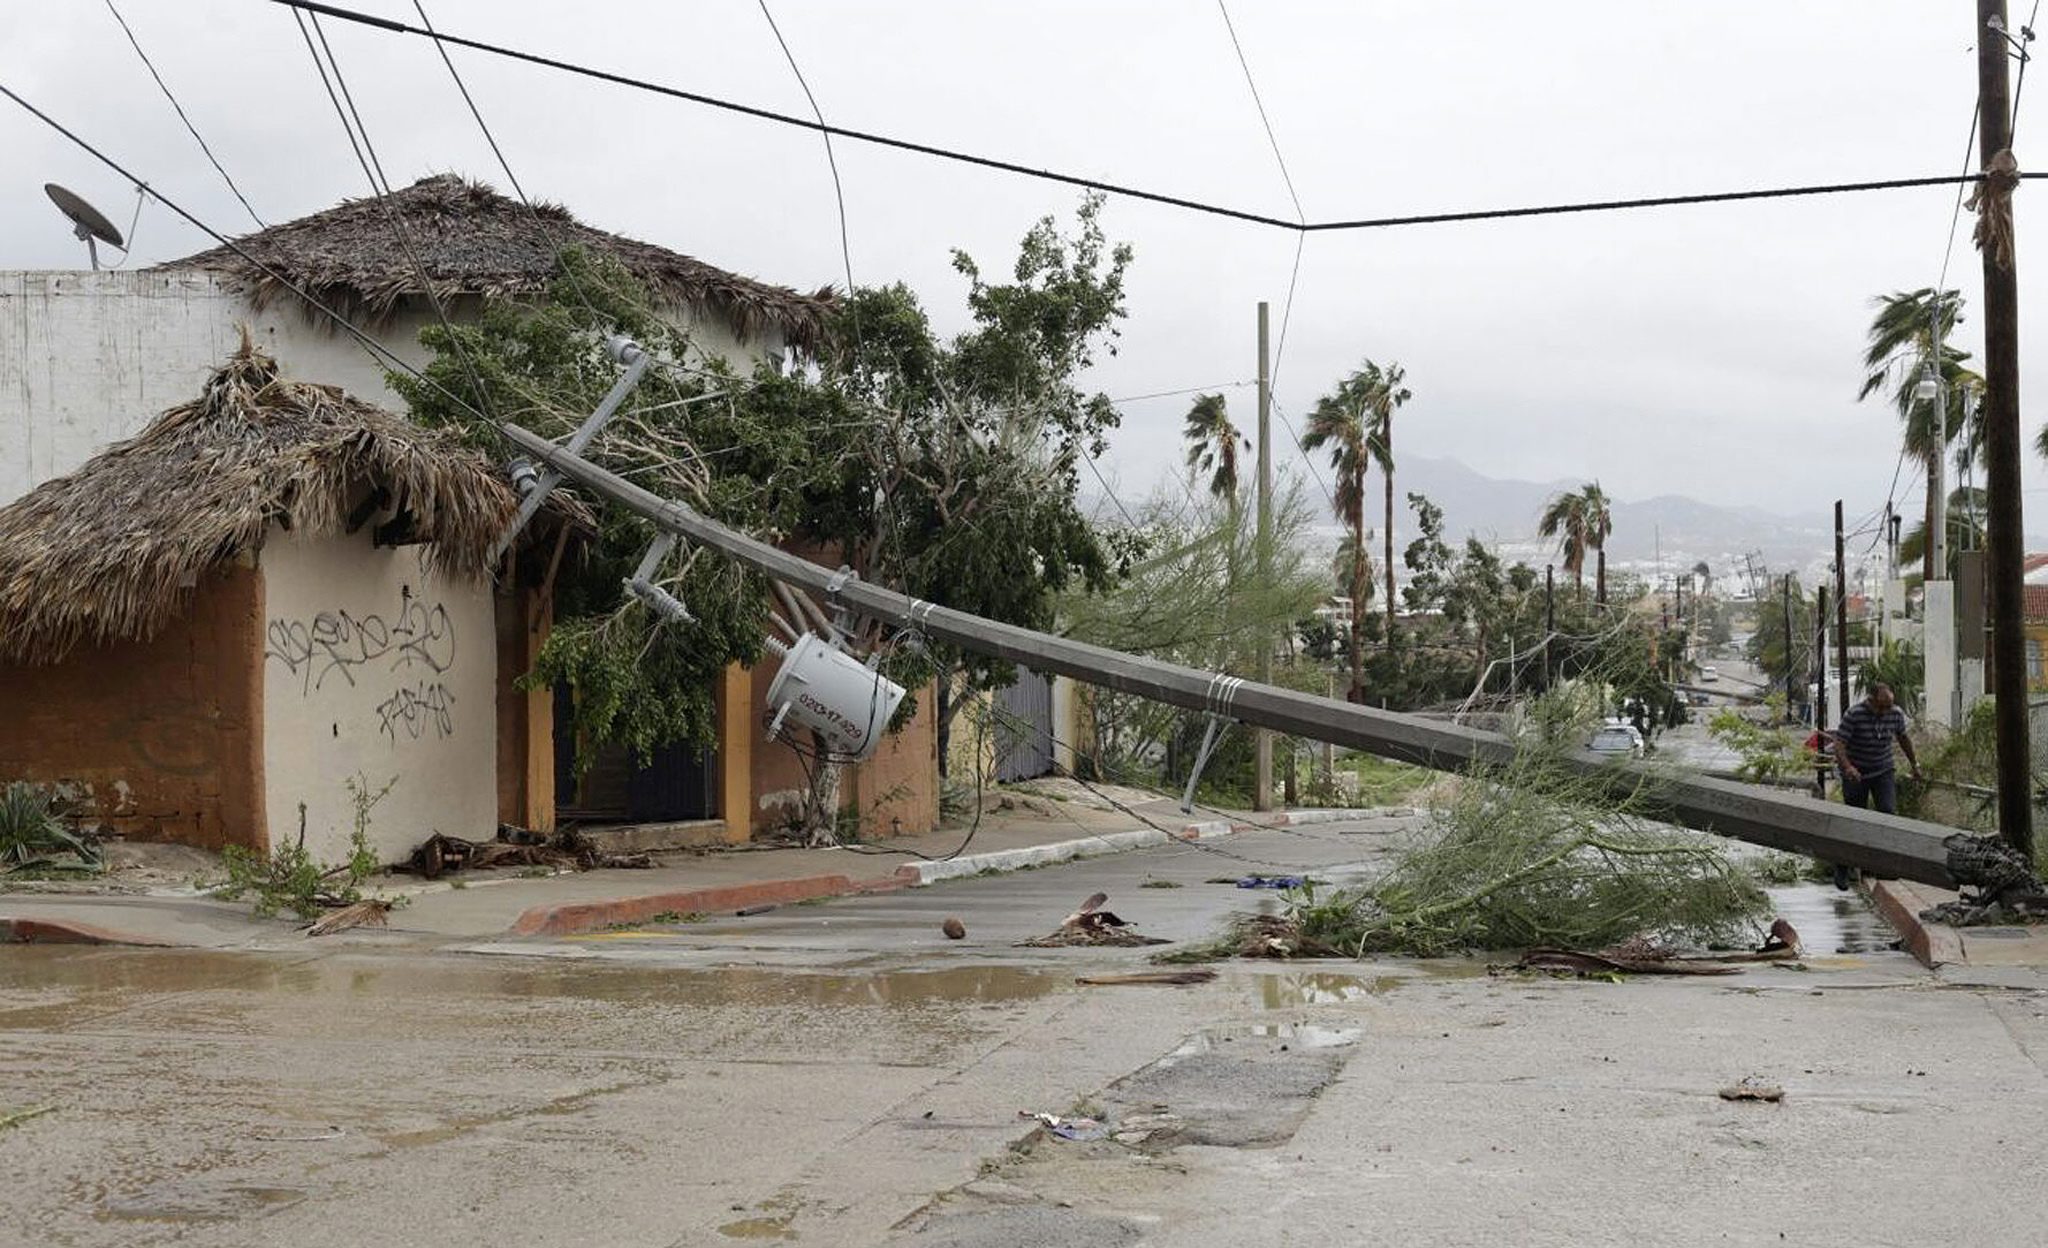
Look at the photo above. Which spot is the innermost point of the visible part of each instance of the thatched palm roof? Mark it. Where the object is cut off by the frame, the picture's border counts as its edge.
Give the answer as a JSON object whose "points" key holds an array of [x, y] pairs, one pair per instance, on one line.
{"points": [[472, 241], [111, 551]]}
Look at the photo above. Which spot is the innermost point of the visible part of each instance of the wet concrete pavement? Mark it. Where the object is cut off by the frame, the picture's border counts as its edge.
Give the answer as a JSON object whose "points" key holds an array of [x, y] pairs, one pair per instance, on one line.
{"points": [[841, 1074]]}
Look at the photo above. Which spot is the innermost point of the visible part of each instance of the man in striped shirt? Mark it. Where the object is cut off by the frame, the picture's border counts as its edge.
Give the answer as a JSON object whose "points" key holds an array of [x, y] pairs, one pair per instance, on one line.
{"points": [[1863, 750]]}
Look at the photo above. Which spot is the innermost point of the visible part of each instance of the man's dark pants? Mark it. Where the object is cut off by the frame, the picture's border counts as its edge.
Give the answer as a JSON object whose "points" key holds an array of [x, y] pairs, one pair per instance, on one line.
{"points": [[1878, 792]]}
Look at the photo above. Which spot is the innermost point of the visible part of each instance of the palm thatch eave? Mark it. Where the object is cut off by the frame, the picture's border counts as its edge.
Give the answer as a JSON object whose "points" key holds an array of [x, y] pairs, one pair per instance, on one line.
{"points": [[472, 243], [113, 551]]}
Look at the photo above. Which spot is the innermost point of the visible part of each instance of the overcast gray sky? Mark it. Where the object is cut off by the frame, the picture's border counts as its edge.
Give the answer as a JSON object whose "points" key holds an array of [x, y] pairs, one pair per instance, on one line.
{"points": [[1710, 351]]}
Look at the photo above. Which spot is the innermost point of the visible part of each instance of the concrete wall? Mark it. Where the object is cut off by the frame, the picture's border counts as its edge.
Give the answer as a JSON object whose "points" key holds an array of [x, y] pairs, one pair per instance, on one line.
{"points": [[163, 738], [87, 359], [374, 667]]}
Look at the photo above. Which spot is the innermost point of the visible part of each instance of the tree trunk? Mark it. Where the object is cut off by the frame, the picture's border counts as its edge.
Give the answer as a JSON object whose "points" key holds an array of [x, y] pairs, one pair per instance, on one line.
{"points": [[1600, 583], [821, 821], [1387, 447], [1358, 614]]}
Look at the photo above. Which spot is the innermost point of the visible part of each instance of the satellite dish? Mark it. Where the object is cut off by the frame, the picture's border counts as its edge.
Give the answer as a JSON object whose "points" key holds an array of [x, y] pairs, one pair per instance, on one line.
{"points": [[87, 222]]}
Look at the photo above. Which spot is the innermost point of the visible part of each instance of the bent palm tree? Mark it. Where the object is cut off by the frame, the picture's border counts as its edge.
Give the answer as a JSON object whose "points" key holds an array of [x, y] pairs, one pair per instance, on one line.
{"points": [[1599, 527], [1900, 348], [1338, 424], [1213, 443], [1564, 518]]}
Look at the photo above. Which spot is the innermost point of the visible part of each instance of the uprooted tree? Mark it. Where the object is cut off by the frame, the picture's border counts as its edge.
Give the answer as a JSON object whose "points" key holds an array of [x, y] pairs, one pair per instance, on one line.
{"points": [[944, 467]]}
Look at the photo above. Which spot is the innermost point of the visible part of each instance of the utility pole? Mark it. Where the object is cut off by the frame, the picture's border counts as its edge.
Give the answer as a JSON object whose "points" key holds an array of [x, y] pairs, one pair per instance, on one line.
{"points": [[1820, 680], [1549, 616], [2003, 450], [1879, 844], [1841, 613], [1262, 784], [1791, 695]]}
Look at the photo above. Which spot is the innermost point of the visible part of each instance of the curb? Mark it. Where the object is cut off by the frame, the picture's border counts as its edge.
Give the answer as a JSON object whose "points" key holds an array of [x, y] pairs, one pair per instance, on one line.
{"points": [[573, 918], [1303, 818], [71, 932], [1100, 845], [1900, 904]]}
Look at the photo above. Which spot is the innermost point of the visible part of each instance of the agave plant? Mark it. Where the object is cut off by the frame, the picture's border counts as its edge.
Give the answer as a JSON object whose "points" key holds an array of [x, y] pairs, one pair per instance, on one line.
{"points": [[32, 834]]}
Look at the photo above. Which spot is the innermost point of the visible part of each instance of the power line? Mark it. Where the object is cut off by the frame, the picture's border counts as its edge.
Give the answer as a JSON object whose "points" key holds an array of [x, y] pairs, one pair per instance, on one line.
{"points": [[347, 326], [831, 161], [380, 186], [1273, 141], [198, 138], [1098, 184]]}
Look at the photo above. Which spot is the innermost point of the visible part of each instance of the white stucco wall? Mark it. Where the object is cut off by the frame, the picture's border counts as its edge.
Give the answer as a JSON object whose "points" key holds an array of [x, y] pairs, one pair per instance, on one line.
{"points": [[374, 667], [87, 359]]}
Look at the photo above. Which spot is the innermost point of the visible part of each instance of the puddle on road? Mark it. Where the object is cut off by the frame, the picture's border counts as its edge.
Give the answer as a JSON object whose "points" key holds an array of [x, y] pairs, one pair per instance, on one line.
{"points": [[43, 991], [1830, 920], [1290, 1035], [1300, 988]]}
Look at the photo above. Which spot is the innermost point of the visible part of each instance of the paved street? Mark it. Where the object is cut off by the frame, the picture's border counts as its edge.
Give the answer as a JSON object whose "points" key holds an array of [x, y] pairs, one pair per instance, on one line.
{"points": [[839, 1073]]}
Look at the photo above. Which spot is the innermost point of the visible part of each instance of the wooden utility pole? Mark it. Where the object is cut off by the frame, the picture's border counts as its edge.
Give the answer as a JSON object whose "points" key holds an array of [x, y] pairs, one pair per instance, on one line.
{"points": [[1841, 613], [1549, 616], [1791, 672], [1262, 784], [2003, 449], [1820, 680]]}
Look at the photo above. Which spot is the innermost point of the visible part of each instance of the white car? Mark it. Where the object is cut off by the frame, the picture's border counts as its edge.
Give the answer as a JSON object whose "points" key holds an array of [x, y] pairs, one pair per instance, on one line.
{"points": [[1616, 741], [1709, 675]]}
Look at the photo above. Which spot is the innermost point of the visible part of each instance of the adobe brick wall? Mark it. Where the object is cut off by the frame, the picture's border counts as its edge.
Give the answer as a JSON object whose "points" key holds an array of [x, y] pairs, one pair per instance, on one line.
{"points": [[164, 736]]}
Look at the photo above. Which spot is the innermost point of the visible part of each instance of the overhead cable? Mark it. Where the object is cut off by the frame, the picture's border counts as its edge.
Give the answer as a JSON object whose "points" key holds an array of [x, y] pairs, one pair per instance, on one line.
{"points": [[178, 108], [341, 322], [1099, 184]]}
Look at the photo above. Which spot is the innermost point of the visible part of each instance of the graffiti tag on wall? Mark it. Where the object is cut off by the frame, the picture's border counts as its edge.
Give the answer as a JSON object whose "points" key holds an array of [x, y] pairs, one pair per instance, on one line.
{"points": [[414, 711], [417, 639], [341, 644]]}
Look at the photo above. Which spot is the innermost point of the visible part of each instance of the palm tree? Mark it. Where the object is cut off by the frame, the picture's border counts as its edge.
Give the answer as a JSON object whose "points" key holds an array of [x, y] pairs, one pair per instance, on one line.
{"points": [[1388, 394], [1705, 575], [1338, 424], [1213, 443], [1899, 350], [1599, 527], [1564, 518]]}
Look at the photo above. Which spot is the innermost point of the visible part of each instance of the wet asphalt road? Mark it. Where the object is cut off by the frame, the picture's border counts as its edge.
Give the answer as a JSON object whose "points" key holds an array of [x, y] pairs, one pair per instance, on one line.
{"points": [[842, 1074]]}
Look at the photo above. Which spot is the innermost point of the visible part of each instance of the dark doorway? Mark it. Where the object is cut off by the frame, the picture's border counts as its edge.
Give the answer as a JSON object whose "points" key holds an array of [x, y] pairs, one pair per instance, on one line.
{"points": [[679, 783]]}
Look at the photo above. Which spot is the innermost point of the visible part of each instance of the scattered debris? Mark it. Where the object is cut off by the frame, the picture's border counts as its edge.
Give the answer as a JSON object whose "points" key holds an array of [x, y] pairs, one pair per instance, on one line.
{"points": [[1150, 977], [1159, 884], [515, 847], [20, 1116], [954, 929], [1091, 925], [371, 912], [1080, 1130], [1581, 962], [1753, 1088], [1271, 881], [745, 912], [2007, 890]]}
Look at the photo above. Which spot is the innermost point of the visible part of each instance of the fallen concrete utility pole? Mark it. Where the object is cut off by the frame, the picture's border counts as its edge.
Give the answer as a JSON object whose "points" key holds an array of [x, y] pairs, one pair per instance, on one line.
{"points": [[1884, 845]]}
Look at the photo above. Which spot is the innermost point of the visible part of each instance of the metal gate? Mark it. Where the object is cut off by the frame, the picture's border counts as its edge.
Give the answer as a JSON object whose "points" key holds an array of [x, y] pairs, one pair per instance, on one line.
{"points": [[1023, 727]]}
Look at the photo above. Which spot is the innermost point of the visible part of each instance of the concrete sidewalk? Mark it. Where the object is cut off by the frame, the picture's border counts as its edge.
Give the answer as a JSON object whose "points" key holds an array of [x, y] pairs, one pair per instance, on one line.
{"points": [[513, 902], [1983, 952]]}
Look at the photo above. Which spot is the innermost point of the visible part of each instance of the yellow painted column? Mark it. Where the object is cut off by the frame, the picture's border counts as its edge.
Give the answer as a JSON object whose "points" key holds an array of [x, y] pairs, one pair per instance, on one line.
{"points": [[736, 753]]}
